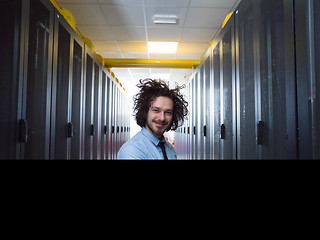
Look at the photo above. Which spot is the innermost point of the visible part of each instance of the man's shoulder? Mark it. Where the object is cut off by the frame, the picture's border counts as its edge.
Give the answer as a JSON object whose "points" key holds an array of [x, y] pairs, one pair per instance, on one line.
{"points": [[134, 148]]}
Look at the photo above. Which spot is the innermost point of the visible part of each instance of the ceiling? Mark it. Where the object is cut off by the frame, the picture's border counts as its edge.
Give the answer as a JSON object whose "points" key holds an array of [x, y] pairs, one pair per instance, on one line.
{"points": [[122, 28]]}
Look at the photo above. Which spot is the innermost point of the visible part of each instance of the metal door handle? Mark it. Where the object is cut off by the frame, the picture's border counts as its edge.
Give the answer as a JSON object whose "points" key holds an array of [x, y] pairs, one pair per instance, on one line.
{"points": [[92, 130], [223, 132], [23, 135], [70, 130], [260, 128]]}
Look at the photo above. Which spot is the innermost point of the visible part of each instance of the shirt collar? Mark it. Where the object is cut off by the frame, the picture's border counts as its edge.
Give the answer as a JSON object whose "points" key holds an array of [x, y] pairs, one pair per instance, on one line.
{"points": [[150, 136]]}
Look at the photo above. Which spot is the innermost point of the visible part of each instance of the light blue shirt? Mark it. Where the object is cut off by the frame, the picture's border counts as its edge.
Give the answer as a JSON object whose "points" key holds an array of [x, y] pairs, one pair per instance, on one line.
{"points": [[144, 146]]}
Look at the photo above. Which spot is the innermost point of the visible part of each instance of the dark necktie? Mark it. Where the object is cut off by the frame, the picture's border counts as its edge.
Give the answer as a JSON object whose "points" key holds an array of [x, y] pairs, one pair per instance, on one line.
{"points": [[161, 145]]}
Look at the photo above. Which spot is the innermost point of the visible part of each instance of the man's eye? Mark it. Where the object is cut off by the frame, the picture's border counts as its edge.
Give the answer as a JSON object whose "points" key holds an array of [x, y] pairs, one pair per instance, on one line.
{"points": [[155, 110], [169, 113]]}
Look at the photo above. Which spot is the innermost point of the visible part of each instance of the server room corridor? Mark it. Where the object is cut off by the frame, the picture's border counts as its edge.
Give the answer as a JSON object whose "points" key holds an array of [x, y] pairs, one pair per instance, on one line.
{"points": [[250, 71]]}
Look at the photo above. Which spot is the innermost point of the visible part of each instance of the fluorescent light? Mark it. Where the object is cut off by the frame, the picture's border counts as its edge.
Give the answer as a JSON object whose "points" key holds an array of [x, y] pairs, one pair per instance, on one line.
{"points": [[162, 47], [165, 19]]}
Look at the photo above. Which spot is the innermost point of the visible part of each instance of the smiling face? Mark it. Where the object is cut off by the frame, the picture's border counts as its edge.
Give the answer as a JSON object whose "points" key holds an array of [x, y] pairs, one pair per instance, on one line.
{"points": [[159, 117]]}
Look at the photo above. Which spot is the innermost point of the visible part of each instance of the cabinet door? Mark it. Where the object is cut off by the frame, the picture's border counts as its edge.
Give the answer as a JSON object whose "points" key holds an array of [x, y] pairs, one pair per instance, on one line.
{"points": [[77, 96], [103, 131], [308, 77], [207, 108], [88, 121], [112, 114], [246, 80], [201, 113], [37, 87], [109, 118], [216, 102], [194, 118], [96, 112], [60, 91], [277, 134], [12, 53], [228, 118]]}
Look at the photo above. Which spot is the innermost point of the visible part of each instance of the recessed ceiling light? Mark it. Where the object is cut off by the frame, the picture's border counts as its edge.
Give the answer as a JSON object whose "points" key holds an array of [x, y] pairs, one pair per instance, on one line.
{"points": [[165, 19], [162, 47]]}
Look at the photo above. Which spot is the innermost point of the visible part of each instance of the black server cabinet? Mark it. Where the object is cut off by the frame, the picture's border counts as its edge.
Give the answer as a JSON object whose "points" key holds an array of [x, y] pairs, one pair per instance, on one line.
{"points": [[26, 71], [216, 101], [104, 110], [207, 107], [113, 121], [308, 76], [77, 99], [37, 88], [109, 117], [200, 113], [224, 139], [266, 102], [91, 106], [66, 92], [12, 25], [194, 117]]}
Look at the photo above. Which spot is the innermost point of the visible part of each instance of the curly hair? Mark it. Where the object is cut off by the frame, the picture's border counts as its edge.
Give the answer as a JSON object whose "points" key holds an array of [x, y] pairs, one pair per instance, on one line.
{"points": [[151, 89]]}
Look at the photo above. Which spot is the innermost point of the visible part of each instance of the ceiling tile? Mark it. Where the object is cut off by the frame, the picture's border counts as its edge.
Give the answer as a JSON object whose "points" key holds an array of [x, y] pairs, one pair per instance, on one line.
{"points": [[96, 33], [179, 3], [206, 17], [198, 35], [133, 47], [86, 14], [124, 15], [129, 33], [105, 46], [194, 56], [121, 2], [164, 34], [192, 48]]}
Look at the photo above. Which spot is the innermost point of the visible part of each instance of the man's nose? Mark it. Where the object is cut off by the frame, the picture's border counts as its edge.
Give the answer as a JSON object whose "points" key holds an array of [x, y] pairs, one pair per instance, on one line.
{"points": [[162, 116]]}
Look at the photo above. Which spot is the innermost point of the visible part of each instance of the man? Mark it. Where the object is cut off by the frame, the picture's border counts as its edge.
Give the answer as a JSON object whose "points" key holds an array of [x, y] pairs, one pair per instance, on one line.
{"points": [[157, 110]]}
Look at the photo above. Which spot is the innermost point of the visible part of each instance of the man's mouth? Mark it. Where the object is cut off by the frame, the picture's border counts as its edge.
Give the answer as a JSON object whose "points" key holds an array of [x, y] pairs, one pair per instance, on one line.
{"points": [[160, 124]]}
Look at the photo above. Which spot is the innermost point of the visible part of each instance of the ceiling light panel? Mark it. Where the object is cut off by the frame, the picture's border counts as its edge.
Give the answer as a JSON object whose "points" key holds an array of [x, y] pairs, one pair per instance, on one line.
{"points": [[165, 19], [162, 47], [179, 12]]}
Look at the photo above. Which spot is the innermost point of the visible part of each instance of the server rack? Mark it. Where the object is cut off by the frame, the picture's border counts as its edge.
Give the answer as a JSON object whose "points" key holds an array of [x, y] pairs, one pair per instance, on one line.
{"points": [[308, 73], [227, 141], [52, 88], [26, 71], [266, 92], [12, 124], [263, 102], [104, 110], [66, 91], [207, 107]]}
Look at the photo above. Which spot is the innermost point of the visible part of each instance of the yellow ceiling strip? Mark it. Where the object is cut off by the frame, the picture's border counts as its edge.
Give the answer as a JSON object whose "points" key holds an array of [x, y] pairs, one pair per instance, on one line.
{"points": [[227, 19], [150, 63]]}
